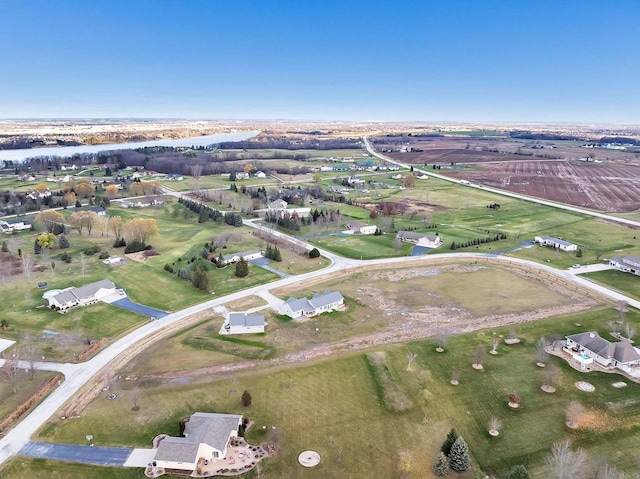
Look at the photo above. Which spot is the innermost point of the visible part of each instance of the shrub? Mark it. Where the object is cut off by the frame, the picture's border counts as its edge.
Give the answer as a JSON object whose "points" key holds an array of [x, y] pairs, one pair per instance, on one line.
{"points": [[448, 442], [66, 257], [459, 459], [314, 253], [93, 250], [103, 255], [518, 472], [245, 400], [441, 466], [119, 243], [136, 246]]}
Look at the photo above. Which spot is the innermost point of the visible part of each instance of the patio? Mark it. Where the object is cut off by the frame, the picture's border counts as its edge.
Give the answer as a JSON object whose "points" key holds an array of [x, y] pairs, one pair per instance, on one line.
{"points": [[240, 458]]}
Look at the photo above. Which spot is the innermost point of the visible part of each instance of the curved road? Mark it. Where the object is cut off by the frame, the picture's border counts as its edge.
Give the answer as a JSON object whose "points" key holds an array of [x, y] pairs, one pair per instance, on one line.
{"points": [[510, 194]]}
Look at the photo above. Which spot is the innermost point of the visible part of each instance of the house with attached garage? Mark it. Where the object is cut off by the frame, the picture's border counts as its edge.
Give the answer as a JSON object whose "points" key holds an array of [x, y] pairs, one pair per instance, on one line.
{"points": [[358, 227], [320, 303], [556, 243], [242, 323], [590, 346], [420, 239], [247, 255], [82, 296], [627, 264], [206, 437], [13, 226]]}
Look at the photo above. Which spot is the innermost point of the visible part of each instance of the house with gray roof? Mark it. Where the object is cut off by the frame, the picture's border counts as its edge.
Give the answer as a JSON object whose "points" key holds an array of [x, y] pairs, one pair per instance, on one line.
{"points": [[247, 255], [206, 436], [320, 303], [242, 323], [82, 296], [420, 239], [590, 345], [627, 264], [556, 243]]}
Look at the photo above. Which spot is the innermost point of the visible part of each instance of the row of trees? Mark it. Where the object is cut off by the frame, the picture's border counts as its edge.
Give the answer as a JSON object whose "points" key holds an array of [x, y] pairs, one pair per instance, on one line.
{"points": [[477, 241]]}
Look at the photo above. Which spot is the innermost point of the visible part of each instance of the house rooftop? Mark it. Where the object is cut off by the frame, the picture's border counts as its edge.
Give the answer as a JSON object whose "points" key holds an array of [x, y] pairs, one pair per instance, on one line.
{"points": [[557, 240], [71, 294], [410, 234], [242, 319]]}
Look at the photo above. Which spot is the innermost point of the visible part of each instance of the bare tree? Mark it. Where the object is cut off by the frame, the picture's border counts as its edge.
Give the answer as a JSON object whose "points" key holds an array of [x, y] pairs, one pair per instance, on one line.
{"points": [[196, 170], [27, 264], [494, 345], [83, 263], [565, 462], [455, 377], [478, 358], [629, 331], [442, 338], [551, 376], [603, 469], [495, 425], [575, 412], [622, 307], [135, 398], [411, 357], [10, 371], [541, 351], [397, 244], [614, 326], [29, 353]]}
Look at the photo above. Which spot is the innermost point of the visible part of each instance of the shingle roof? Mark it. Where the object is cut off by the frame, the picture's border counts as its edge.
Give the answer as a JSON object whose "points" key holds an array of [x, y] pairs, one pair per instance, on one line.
{"points": [[85, 291], [409, 234], [622, 351], [557, 240], [322, 299], [301, 304], [242, 319]]}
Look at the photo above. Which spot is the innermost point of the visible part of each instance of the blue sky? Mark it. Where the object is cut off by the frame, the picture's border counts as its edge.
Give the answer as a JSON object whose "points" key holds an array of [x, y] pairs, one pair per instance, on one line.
{"points": [[480, 60]]}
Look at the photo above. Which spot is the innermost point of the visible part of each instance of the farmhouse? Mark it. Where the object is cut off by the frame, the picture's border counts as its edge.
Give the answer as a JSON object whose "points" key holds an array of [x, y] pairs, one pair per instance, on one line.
{"points": [[361, 228], [13, 226], [88, 294], [247, 255], [556, 243], [627, 264], [420, 239], [242, 323], [320, 303], [206, 436], [589, 346]]}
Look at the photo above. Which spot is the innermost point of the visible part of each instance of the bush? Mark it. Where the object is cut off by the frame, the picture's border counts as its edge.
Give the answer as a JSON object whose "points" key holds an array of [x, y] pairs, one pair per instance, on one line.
{"points": [[66, 257], [245, 400], [441, 466], [63, 242], [518, 472], [104, 255], [119, 243], [314, 253], [136, 246], [93, 250]]}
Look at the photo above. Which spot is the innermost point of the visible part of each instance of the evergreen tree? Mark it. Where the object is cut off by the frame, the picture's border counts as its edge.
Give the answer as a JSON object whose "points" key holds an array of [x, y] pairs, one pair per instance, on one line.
{"points": [[441, 466], [579, 253], [448, 442], [203, 216], [220, 260], [245, 400], [37, 249], [242, 268], [314, 253], [5, 247], [276, 255], [459, 459], [268, 252], [518, 472]]}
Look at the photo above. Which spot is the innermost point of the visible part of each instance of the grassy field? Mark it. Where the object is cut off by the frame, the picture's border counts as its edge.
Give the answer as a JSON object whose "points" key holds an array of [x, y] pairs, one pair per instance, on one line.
{"points": [[626, 283], [300, 403], [25, 388], [30, 468]]}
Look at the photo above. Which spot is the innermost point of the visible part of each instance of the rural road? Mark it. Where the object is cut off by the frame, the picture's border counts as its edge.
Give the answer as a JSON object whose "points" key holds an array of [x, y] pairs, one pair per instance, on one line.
{"points": [[77, 375], [510, 194]]}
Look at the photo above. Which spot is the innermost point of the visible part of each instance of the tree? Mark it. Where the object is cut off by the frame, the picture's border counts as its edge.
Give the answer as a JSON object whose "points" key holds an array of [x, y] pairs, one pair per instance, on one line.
{"points": [[242, 268], [629, 331], [495, 425], [115, 225], [518, 472], [139, 230], [111, 191], [5, 247], [82, 219], [541, 351], [409, 180], [479, 357], [452, 436], [63, 242], [579, 253], [605, 470], [246, 399], [27, 264], [575, 412], [84, 189], [10, 372], [46, 240], [441, 466], [459, 459], [317, 177], [50, 219], [565, 462], [411, 357], [314, 253], [442, 338]]}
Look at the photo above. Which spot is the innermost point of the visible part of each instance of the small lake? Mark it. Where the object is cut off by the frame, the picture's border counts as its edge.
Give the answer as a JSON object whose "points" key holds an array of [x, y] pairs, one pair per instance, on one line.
{"points": [[67, 151]]}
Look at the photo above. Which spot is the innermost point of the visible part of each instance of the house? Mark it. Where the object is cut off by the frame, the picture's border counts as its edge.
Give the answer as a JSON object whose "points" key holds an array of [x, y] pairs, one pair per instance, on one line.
{"points": [[260, 174], [590, 346], [354, 180], [420, 239], [174, 177], [206, 436], [422, 177], [556, 243], [88, 294], [247, 255], [242, 323], [627, 264], [280, 208], [242, 175], [113, 260], [277, 205], [359, 227], [13, 226], [39, 194], [99, 210], [320, 303]]}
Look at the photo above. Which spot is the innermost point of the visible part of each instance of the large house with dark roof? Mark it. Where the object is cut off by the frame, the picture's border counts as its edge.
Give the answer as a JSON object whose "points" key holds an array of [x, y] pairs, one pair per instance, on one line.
{"points": [[590, 345], [82, 296], [206, 436], [627, 264], [320, 303]]}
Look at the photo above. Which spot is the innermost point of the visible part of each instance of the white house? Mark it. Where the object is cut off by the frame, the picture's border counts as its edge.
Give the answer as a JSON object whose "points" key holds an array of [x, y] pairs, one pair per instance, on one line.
{"points": [[242, 323], [422, 177], [260, 174], [206, 436], [361, 228], [15, 225], [320, 303], [277, 205], [354, 181], [420, 239], [590, 345], [99, 210], [113, 260], [280, 207], [627, 264], [39, 194], [82, 296], [247, 255], [556, 243]]}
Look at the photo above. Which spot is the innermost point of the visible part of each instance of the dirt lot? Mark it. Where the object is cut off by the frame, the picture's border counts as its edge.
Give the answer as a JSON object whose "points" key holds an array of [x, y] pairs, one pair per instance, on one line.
{"points": [[606, 187]]}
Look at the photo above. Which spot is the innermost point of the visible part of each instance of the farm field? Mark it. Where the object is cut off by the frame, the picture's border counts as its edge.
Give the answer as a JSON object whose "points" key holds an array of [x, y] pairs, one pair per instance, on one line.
{"points": [[299, 401]]}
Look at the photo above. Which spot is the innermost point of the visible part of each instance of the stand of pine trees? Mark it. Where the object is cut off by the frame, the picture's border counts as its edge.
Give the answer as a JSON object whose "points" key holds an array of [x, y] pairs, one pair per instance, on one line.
{"points": [[272, 252]]}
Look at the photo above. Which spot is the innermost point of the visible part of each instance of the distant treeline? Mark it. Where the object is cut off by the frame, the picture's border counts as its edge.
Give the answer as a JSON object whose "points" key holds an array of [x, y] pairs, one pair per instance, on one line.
{"points": [[527, 135], [291, 144]]}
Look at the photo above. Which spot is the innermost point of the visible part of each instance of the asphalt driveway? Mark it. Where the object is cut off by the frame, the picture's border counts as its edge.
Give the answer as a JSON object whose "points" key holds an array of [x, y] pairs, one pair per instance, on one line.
{"points": [[101, 456], [126, 303]]}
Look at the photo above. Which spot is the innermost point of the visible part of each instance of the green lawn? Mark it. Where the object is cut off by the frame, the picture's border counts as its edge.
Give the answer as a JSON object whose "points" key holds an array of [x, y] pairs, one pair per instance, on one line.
{"points": [[30, 468], [625, 283]]}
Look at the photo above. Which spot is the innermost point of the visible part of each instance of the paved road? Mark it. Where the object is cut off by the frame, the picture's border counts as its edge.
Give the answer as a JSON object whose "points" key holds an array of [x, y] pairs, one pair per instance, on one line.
{"points": [[126, 303], [77, 375], [102, 456], [510, 194]]}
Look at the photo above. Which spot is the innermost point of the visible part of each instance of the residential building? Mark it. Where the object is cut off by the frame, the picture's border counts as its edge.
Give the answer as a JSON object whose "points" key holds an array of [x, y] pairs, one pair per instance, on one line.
{"points": [[242, 323], [247, 255], [320, 303], [359, 227], [420, 239], [260, 174], [556, 243], [628, 264], [206, 436], [14, 225], [88, 294], [591, 346]]}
